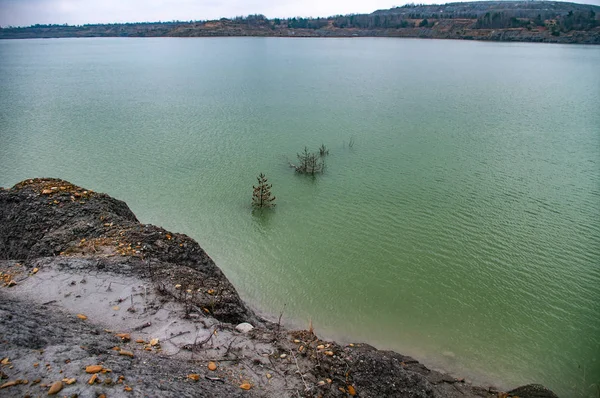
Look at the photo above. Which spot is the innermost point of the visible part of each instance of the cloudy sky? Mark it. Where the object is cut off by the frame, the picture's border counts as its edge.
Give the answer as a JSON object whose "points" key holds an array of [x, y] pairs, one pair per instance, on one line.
{"points": [[28, 12]]}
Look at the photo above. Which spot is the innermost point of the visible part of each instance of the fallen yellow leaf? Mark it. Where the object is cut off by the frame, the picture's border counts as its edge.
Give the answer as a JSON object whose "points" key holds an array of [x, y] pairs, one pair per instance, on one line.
{"points": [[69, 381], [93, 379], [9, 384], [55, 387], [245, 386], [124, 336], [82, 317], [126, 353], [153, 342], [93, 368], [351, 390], [194, 376]]}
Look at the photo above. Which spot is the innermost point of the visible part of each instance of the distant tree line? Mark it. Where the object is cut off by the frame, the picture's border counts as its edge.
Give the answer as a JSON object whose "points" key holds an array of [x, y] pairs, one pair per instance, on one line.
{"points": [[370, 21], [578, 20], [557, 16]]}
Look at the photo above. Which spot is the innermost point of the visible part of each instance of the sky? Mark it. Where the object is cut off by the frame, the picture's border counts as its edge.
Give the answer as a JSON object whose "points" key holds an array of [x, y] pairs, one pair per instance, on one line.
{"points": [[75, 12]]}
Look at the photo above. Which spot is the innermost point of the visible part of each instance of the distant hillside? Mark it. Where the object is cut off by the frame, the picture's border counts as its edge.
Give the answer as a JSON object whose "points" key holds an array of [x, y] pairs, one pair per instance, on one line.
{"points": [[532, 21]]}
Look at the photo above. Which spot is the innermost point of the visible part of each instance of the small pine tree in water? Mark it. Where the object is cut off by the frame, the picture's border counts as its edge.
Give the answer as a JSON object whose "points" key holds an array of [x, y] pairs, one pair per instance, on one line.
{"points": [[261, 196], [310, 163], [323, 151]]}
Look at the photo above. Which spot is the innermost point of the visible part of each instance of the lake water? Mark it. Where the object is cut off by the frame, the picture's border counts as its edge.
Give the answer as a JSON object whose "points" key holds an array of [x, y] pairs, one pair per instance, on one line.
{"points": [[462, 227]]}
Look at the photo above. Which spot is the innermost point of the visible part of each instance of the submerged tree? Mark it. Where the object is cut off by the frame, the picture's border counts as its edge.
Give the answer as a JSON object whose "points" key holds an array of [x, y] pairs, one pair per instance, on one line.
{"points": [[323, 151], [310, 163], [261, 196]]}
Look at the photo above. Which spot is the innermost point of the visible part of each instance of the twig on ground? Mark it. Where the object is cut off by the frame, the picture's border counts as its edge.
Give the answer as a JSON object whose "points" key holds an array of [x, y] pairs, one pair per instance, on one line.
{"points": [[215, 379], [229, 346], [178, 334], [279, 320], [141, 327], [306, 387]]}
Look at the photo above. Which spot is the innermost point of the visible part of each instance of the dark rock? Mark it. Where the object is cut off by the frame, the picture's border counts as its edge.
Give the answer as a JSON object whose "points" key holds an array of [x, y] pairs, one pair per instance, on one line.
{"points": [[532, 391]]}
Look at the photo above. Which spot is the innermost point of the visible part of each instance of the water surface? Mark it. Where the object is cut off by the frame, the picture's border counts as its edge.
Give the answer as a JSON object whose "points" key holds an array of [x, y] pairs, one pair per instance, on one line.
{"points": [[463, 226]]}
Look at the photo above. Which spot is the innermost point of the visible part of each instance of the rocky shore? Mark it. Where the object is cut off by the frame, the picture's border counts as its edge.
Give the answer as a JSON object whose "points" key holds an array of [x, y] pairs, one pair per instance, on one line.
{"points": [[95, 304], [454, 29]]}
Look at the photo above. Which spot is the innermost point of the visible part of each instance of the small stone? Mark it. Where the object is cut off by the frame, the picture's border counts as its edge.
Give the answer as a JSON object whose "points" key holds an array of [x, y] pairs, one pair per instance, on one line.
{"points": [[154, 342], [329, 353], [127, 388], [297, 341], [283, 356], [320, 347], [93, 379], [35, 270], [244, 327], [5, 361], [140, 341], [212, 366], [46, 191], [115, 308], [269, 375], [194, 376], [55, 387], [82, 317], [321, 383], [69, 381]]}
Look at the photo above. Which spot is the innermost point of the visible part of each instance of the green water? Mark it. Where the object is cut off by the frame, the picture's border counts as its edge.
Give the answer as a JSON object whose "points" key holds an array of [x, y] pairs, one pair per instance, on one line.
{"points": [[463, 226]]}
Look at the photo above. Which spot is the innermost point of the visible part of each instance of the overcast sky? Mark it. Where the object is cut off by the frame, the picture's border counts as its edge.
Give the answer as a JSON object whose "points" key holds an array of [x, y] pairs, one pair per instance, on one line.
{"points": [[28, 12]]}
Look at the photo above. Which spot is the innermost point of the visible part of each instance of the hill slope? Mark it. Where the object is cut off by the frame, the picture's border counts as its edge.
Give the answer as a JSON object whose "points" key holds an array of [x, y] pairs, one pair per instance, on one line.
{"points": [[531, 21]]}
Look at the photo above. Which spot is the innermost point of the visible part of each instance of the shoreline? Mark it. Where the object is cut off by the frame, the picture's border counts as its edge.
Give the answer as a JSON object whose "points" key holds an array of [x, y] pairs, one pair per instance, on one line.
{"points": [[499, 36], [68, 250]]}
